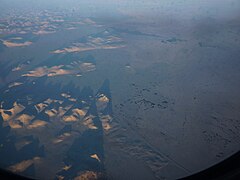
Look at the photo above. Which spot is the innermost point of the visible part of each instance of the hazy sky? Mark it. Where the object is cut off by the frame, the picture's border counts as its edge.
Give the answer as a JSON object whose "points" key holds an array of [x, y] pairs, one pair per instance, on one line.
{"points": [[178, 8]]}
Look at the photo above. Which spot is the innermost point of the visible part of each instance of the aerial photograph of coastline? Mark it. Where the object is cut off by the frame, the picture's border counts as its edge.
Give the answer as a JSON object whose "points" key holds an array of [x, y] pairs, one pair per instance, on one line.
{"points": [[118, 89]]}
